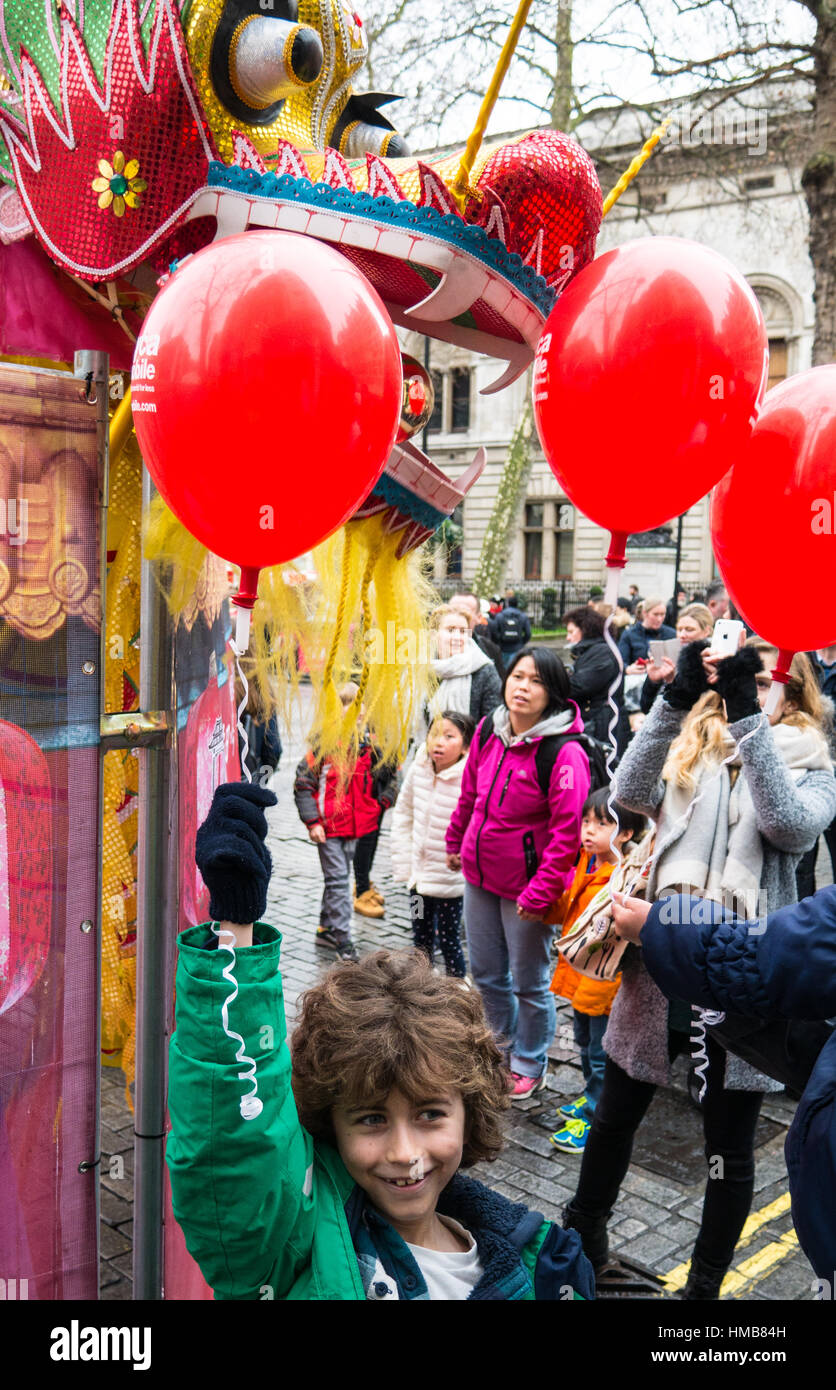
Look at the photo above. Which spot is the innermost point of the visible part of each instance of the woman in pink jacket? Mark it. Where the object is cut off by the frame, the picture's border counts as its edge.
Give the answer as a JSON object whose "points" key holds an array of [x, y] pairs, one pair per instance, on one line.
{"points": [[515, 834]]}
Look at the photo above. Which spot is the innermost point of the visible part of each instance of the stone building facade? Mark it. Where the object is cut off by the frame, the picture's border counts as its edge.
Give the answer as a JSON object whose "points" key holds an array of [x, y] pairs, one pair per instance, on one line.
{"points": [[733, 185]]}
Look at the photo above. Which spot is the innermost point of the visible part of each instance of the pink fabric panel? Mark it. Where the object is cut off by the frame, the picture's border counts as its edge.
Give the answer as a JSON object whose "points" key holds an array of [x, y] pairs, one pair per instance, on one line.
{"points": [[49, 873], [44, 314]]}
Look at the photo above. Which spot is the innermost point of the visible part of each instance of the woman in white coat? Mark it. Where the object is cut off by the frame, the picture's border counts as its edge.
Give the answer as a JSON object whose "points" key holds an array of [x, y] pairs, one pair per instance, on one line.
{"points": [[422, 814]]}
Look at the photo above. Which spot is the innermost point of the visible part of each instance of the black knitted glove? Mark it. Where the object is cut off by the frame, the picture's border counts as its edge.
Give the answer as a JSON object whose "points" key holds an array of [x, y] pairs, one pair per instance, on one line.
{"points": [[690, 681], [737, 685], [231, 854]]}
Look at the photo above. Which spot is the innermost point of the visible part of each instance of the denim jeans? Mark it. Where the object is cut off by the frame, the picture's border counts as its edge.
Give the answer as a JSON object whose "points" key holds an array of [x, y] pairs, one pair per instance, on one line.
{"points": [[589, 1031], [335, 858], [511, 967]]}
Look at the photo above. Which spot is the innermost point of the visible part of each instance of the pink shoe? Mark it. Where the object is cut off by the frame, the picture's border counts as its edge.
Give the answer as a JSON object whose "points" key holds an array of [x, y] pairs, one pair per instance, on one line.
{"points": [[521, 1087]]}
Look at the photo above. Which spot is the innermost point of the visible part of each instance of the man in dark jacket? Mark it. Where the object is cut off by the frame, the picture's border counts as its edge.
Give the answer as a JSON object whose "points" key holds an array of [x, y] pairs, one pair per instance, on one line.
{"points": [[635, 640], [778, 968], [510, 629], [672, 611]]}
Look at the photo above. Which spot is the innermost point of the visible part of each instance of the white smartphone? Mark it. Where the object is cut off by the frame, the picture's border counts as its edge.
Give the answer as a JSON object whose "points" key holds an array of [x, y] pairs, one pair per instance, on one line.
{"points": [[726, 637]]}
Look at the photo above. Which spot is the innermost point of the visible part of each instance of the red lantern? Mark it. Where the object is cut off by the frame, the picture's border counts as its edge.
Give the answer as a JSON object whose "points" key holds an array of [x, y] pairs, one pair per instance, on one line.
{"points": [[266, 395], [418, 398], [647, 381], [772, 517]]}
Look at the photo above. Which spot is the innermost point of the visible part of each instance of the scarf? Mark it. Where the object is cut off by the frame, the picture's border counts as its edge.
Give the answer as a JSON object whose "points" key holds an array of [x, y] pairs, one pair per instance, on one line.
{"points": [[454, 673], [718, 854]]}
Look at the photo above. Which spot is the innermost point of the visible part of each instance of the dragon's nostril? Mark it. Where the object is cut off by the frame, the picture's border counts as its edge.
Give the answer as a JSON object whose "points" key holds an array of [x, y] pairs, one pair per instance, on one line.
{"points": [[306, 56]]}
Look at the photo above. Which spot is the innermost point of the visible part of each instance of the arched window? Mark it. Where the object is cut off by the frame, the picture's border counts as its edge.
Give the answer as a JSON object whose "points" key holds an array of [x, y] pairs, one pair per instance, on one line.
{"points": [[783, 313]]}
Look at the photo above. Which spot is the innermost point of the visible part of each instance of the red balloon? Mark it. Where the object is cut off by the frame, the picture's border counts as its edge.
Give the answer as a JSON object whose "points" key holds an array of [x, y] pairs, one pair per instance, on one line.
{"points": [[647, 380], [266, 394], [772, 516]]}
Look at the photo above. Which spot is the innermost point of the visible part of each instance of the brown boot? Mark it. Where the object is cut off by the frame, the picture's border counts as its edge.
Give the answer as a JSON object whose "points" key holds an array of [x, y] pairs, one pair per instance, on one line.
{"points": [[376, 894], [367, 905]]}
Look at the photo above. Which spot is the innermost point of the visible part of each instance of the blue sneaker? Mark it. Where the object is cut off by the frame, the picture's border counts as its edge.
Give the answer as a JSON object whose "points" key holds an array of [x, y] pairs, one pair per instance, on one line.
{"points": [[575, 1110], [572, 1138]]}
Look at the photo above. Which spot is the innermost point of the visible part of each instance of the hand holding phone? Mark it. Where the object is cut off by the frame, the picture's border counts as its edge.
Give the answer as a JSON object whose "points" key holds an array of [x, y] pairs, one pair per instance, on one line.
{"points": [[725, 639]]}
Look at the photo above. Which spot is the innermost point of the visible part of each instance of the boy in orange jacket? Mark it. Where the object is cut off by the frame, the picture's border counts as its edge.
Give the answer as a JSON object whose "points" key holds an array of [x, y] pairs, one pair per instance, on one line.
{"points": [[591, 999]]}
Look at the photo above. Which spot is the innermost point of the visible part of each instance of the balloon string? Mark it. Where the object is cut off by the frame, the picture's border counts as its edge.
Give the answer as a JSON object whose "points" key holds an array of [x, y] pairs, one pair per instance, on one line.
{"points": [[611, 737], [702, 1019], [250, 1105], [242, 729]]}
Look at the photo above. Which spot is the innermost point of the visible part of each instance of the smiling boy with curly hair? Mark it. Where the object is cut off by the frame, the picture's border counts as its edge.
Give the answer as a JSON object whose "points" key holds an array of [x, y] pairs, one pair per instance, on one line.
{"points": [[344, 1181]]}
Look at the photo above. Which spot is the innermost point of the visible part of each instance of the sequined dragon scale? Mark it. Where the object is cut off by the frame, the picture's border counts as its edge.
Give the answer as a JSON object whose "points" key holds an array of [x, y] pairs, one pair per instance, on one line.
{"points": [[145, 108]]}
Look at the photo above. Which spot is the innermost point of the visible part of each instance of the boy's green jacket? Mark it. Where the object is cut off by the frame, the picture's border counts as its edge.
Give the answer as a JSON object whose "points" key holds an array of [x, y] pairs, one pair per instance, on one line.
{"points": [[263, 1207]]}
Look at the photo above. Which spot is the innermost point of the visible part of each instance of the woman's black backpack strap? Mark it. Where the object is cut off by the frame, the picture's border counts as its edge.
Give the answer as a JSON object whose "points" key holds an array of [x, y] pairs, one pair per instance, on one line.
{"points": [[549, 747], [485, 730]]}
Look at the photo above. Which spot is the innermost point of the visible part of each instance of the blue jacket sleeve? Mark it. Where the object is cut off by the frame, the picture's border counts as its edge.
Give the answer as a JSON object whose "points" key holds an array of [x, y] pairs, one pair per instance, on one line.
{"points": [[781, 966]]}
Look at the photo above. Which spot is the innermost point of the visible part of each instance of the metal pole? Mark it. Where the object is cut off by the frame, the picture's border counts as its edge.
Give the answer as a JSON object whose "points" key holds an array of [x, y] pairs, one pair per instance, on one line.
{"points": [[426, 430], [94, 368], [156, 912], [676, 563]]}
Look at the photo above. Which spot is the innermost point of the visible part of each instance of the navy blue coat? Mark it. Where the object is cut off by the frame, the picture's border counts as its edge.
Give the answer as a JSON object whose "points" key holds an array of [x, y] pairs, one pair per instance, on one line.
{"points": [[635, 640], [780, 967]]}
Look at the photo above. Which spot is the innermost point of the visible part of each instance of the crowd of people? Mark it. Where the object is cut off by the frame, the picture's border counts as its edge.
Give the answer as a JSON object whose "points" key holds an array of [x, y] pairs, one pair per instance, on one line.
{"points": [[509, 831]]}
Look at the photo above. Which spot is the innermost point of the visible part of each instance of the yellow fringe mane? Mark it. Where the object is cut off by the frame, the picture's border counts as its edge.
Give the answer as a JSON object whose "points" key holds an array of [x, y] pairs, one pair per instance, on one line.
{"points": [[364, 620]]}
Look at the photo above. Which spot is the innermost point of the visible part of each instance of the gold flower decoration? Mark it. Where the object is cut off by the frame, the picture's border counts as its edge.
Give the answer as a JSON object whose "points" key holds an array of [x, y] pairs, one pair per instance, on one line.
{"points": [[118, 186]]}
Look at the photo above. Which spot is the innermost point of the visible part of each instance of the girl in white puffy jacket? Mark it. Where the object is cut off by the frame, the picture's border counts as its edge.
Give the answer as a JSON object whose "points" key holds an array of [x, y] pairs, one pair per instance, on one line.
{"points": [[419, 857]]}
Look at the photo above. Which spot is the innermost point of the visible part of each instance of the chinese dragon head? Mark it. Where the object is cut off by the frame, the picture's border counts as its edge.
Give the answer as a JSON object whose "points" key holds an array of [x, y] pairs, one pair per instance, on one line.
{"points": [[135, 132]]}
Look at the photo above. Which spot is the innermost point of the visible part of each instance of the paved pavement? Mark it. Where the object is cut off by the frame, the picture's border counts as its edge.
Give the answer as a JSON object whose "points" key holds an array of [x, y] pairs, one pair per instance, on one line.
{"points": [[656, 1219]]}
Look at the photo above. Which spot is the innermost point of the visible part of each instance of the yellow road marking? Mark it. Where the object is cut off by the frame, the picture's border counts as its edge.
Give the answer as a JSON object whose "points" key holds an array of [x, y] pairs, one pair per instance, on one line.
{"points": [[754, 1269], [677, 1277]]}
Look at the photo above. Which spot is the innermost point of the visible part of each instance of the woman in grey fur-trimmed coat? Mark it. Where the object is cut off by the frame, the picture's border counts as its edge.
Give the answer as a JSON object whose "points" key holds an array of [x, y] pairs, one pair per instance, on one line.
{"points": [[749, 825]]}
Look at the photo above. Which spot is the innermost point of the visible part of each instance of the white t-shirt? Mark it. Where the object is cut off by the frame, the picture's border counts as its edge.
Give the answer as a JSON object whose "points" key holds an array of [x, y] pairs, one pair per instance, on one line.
{"points": [[449, 1274]]}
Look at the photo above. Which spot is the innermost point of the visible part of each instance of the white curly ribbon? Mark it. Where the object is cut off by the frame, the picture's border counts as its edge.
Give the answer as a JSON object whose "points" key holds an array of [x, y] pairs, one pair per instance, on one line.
{"points": [[702, 1019], [250, 1104], [611, 598], [242, 731]]}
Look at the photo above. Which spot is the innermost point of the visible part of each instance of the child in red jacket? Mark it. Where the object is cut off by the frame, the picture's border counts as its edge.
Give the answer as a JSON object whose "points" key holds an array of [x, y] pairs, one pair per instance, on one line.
{"points": [[336, 813]]}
